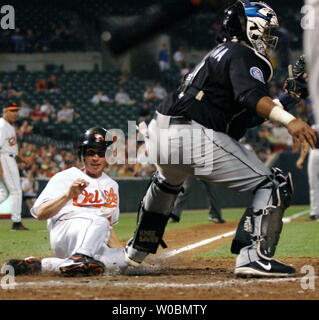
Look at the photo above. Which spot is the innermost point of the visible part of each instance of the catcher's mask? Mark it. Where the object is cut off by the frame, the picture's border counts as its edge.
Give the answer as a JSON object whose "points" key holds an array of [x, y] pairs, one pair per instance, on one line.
{"points": [[94, 137], [254, 23]]}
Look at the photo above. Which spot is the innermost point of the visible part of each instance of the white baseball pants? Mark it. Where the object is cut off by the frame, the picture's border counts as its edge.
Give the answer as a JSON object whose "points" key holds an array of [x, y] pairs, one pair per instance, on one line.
{"points": [[313, 176], [11, 178], [85, 233]]}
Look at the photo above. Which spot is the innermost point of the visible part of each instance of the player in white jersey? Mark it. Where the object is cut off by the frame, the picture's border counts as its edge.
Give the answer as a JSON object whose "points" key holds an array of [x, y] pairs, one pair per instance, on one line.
{"points": [[80, 206], [313, 176], [312, 52], [9, 171]]}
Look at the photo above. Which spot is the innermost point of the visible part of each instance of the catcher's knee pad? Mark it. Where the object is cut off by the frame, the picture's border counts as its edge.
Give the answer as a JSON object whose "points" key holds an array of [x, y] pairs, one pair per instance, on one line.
{"points": [[160, 195], [283, 188], [265, 225], [154, 212]]}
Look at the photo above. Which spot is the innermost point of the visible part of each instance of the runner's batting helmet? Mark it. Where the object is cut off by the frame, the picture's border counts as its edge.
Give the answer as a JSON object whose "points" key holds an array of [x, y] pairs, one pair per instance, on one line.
{"points": [[94, 137]]}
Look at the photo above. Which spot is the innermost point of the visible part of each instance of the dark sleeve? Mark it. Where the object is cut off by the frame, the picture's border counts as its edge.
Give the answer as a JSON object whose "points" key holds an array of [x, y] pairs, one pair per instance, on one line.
{"points": [[288, 101], [248, 75]]}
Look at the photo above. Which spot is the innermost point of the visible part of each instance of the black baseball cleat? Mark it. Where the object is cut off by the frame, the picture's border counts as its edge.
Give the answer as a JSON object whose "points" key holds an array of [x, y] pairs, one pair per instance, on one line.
{"points": [[314, 217], [29, 265], [82, 265], [265, 268], [16, 226], [216, 220]]}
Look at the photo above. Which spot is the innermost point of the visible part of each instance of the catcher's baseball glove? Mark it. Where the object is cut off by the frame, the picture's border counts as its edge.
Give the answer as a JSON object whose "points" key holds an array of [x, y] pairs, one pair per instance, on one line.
{"points": [[297, 83]]}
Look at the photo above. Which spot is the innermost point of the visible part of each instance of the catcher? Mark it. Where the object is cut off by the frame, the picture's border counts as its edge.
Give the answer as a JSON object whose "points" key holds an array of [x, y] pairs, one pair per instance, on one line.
{"points": [[81, 206], [226, 93]]}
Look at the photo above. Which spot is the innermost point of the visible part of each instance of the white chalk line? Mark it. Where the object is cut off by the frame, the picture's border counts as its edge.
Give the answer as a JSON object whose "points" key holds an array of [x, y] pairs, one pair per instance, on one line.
{"points": [[224, 235], [151, 285], [198, 244]]}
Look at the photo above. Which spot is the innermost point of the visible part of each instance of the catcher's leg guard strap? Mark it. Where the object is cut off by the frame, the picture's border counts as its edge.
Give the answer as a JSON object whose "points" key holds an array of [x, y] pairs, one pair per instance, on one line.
{"points": [[245, 229], [154, 213], [149, 232], [283, 192]]}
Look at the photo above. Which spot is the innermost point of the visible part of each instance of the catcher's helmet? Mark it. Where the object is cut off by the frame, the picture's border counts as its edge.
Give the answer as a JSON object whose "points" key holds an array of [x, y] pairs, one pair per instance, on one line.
{"points": [[94, 137], [252, 22]]}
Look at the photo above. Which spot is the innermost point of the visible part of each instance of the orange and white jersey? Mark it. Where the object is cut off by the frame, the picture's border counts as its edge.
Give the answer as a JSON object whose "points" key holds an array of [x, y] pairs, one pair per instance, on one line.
{"points": [[8, 138], [100, 197]]}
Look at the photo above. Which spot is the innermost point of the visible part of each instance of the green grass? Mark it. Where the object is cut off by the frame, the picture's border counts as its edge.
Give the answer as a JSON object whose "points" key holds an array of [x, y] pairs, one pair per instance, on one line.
{"points": [[297, 239], [127, 224], [19, 244]]}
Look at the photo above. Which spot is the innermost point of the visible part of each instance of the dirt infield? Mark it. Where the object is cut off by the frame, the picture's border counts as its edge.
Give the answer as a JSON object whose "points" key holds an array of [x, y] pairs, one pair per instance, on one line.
{"points": [[180, 277]]}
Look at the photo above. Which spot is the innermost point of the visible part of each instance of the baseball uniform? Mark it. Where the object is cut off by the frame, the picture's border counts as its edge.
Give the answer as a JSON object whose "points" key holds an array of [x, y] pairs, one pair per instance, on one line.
{"points": [[11, 176], [84, 224], [196, 131], [313, 178]]}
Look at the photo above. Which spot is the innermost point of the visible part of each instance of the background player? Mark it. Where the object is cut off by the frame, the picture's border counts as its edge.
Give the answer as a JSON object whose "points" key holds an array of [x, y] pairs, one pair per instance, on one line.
{"points": [[81, 206], [225, 94], [214, 214], [312, 53], [8, 166], [297, 86]]}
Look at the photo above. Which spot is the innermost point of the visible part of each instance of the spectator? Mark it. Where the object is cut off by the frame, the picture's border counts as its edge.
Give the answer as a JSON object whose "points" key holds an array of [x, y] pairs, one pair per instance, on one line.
{"points": [[42, 85], [281, 137], [184, 70], [149, 94], [53, 85], [30, 41], [13, 91], [159, 91], [18, 41], [24, 111], [69, 160], [30, 186], [266, 136], [25, 129], [37, 115], [100, 98], [179, 57], [66, 114], [163, 58], [146, 167], [145, 113], [124, 75], [274, 90], [3, 92], [49, 109], [122, 97], [28, 152]]}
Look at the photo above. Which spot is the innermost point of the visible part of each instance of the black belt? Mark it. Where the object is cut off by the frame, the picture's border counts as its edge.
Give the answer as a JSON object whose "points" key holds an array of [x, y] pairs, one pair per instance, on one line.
{"points": [[176, 120], [12, 155]]}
